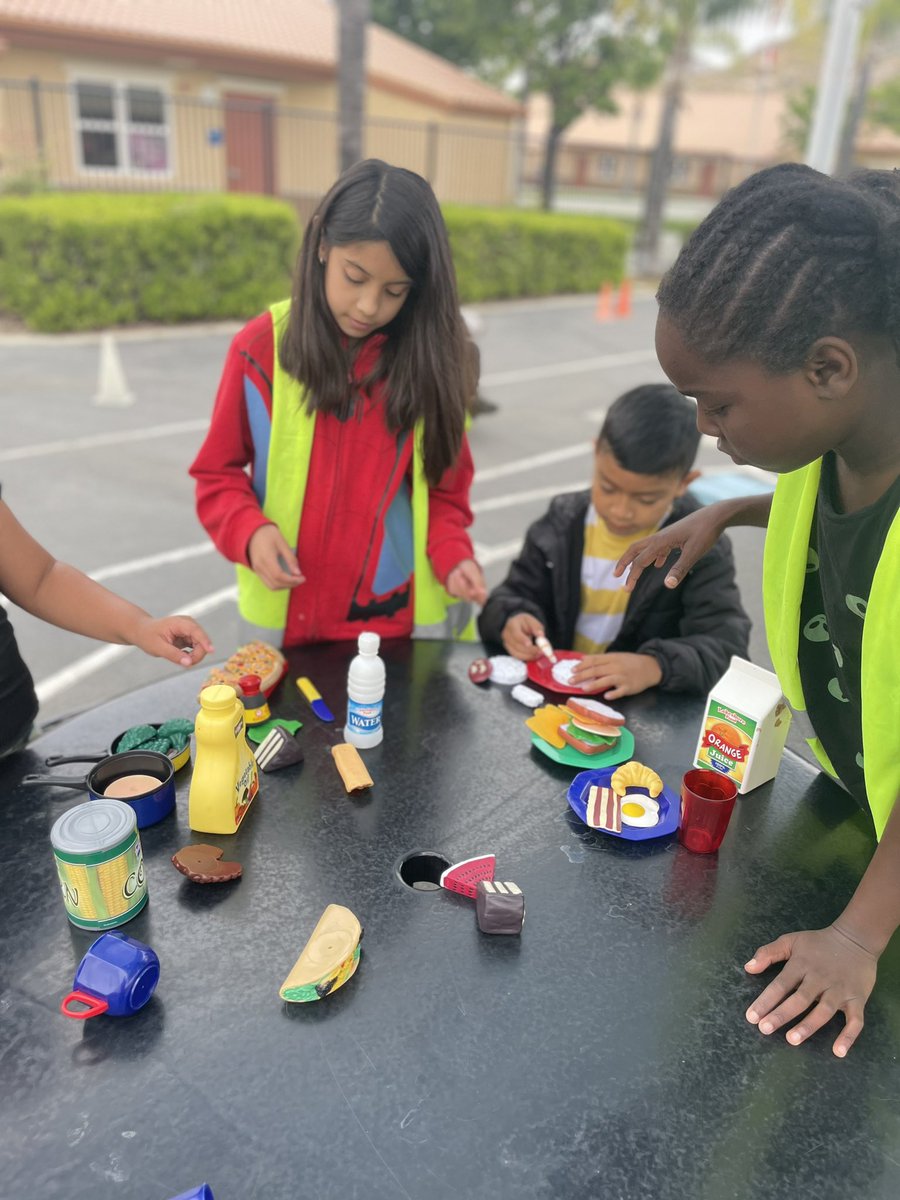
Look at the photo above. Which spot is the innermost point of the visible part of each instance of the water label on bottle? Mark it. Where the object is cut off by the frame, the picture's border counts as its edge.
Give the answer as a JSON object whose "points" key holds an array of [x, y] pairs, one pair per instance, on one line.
{"points": [[364, 718]]}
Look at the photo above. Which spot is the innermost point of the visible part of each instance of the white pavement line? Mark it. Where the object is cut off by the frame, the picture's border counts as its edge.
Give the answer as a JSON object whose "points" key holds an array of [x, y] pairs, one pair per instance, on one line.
{"points": [[511, 499], [576, 366], [163, 559], [40, 449], [486, 555], [89, 664], [517, 465]]}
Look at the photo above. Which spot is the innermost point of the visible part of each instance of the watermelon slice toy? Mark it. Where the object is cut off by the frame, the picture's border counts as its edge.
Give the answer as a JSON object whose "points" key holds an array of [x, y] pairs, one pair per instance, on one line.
{"points": [[464, 876]]}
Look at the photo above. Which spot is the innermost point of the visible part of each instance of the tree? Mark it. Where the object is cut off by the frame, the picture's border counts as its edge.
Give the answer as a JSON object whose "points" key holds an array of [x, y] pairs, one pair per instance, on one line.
{"points": [[884, 105], [678, 23], [797, 120], [881, 24], [573, 50], [465, 32], [353, 17]]}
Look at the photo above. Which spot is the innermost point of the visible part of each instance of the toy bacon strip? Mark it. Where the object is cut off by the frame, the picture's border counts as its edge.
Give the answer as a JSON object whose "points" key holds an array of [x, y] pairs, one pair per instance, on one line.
{"points": [[604, 810], [351, 767], [546, 722], [329, 958]]}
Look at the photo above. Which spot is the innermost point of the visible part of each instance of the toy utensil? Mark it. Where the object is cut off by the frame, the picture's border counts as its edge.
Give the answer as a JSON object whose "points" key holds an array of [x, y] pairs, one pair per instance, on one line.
{"points": [[545, 648], [317, 704]]}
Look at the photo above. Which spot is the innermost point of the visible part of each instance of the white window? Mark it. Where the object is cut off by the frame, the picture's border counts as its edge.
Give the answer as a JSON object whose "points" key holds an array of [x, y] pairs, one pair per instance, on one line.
{"points": [[122, 127]]}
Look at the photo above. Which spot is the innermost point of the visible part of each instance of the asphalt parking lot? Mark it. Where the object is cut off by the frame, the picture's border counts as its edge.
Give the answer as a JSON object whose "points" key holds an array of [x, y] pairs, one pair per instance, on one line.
{"points": [[107, 489]]}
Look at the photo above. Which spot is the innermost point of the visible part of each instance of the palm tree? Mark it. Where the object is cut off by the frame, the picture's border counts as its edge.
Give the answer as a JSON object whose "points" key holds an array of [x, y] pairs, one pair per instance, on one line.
{"points": [[353, 17], [679, 22]]}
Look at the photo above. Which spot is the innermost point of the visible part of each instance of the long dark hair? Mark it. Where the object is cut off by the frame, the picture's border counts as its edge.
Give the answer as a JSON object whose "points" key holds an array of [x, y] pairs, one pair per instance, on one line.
{"points": [[426, 364], [786, 257]]}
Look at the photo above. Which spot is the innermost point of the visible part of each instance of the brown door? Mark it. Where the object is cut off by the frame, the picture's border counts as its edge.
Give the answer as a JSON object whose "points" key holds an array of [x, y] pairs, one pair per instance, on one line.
{"points": [[249, 144], [708, 177]]}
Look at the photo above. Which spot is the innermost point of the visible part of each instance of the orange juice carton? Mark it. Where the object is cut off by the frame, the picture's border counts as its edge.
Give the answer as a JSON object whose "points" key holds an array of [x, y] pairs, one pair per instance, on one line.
{"points": [[745, 726]]}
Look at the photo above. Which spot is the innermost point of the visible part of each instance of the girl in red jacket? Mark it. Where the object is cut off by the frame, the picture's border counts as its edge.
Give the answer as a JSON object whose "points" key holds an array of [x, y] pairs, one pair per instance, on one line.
{"points": [[336, 470]]}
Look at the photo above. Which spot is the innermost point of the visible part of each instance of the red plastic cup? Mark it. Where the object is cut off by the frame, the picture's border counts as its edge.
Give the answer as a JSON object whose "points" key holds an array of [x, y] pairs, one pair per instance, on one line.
{"points": [[707, 801]]}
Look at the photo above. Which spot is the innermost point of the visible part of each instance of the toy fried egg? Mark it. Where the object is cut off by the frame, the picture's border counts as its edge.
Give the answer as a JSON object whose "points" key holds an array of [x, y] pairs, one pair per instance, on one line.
{"points": [[639, 811]]}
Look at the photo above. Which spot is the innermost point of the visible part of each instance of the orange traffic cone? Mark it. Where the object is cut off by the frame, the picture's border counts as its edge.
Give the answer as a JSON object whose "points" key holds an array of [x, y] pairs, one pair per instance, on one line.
{"points": [[623, 303], [604, 302]]}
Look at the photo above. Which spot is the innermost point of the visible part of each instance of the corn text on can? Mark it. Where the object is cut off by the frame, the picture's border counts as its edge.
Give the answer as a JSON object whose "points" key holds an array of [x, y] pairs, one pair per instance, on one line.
{"points": [[100, 864]]}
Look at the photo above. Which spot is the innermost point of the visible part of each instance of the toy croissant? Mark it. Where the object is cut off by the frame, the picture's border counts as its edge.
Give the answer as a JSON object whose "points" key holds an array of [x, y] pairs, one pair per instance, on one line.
{"points": [[635, 774]]}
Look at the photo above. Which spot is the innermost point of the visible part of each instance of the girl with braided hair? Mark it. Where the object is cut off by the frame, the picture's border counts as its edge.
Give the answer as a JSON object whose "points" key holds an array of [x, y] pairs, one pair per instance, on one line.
{"points": [[781, 317]]}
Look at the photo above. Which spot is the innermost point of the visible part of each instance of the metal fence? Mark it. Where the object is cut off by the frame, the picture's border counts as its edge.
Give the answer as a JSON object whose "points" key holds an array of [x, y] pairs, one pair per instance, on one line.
{"points": [[101, 135]]}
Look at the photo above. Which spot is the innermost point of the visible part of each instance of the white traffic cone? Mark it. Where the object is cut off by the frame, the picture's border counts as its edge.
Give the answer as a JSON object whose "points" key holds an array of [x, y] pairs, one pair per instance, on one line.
{"points": [[112, 388]]}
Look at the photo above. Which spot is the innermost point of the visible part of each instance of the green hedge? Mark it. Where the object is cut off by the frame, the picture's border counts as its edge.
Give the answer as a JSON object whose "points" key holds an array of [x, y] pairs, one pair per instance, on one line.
{"points": [[501, 253], [86, 261]]}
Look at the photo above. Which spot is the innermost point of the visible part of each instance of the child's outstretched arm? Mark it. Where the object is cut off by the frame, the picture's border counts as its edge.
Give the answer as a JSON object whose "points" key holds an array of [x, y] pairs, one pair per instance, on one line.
{"points": [[32, 578], [833, 969], [449, 545], [693, 536]]}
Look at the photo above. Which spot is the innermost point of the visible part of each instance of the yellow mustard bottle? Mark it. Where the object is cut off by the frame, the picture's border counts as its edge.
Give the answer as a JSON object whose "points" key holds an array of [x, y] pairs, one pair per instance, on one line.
{"points": [[225, 777]]}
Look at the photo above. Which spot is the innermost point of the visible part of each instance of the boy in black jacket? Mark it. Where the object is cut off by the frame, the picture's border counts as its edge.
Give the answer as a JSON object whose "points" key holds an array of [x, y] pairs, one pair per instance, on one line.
{"points": [[562, 587]]}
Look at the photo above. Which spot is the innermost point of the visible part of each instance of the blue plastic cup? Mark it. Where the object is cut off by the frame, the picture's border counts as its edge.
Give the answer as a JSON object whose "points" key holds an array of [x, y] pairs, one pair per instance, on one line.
{"points": [[117, 976]]}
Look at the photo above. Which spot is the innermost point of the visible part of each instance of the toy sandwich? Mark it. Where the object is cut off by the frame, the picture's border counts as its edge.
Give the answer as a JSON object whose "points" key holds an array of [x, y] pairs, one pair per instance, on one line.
{"points": [[587, 725]]}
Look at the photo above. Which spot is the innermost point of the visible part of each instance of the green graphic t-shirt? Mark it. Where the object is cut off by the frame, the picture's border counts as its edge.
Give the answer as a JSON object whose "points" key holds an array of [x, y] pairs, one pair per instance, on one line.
{"points": [[844, 549]]}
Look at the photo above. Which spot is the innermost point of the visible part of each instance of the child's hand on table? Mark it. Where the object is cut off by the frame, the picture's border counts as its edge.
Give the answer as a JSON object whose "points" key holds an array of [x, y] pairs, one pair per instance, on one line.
{"points": [[617, 674], [518, 637], [179, 639], [272, 559], [825, 971], [466, 582]]}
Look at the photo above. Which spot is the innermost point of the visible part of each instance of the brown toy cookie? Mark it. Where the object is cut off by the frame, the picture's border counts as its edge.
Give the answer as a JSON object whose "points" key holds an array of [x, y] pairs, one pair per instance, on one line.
{"points": [[203, 864]]}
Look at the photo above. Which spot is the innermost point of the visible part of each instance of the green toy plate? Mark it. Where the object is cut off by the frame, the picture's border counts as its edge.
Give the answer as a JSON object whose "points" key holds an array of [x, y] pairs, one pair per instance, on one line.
{"points": [[621, 751]]}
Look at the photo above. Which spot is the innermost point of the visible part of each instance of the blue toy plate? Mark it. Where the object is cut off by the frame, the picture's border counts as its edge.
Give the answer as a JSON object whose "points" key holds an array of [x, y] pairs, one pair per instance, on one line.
{"points": [[669, 806], [620, 751]]}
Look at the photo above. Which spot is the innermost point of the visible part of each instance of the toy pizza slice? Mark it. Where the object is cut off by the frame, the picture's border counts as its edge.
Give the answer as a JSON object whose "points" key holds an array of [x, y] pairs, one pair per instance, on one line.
{"points": [[593, 711], [546, 722], [255, 658], [585, 743], [604, 810], [328, 959], [466, 875]]}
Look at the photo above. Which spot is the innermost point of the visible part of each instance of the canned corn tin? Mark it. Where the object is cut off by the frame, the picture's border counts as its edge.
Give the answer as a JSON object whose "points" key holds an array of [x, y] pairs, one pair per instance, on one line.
{"points": [[100, 864]]}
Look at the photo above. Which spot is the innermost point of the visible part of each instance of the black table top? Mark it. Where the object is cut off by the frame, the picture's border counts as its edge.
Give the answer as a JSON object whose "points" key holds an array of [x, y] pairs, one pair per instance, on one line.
{"points": [[602, 1054]]}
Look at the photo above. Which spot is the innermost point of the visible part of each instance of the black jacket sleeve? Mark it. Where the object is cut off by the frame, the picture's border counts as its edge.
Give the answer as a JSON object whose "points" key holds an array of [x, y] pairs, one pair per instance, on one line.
{"points": [[713, 626], [528, 587]]}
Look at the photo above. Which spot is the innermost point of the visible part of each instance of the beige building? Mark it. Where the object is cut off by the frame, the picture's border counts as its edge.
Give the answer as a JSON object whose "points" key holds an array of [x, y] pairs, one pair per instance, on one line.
{"points": [[234, 95], [729, 125]]}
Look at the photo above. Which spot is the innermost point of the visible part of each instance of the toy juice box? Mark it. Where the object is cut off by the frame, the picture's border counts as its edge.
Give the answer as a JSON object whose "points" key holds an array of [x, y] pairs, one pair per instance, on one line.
{"points": [[745, 726]]}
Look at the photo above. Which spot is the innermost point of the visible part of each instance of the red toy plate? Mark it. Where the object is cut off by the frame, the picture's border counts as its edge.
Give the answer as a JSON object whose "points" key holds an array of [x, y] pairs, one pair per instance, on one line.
{"points": [[463, 876], [540, 671]]}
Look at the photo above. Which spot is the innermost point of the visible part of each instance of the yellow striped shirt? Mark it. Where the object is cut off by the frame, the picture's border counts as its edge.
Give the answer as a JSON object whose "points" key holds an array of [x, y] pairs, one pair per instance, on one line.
{"points": [[603, 596]]}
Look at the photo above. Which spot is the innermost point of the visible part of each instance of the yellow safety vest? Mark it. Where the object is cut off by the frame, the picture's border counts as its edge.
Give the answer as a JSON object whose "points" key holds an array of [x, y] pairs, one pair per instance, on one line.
{"points": [[436, 614], [784, 572]]}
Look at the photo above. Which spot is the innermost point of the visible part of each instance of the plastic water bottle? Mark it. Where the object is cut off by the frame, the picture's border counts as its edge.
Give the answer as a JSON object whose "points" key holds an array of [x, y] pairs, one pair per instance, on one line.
{"points": [[365, 694]]}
